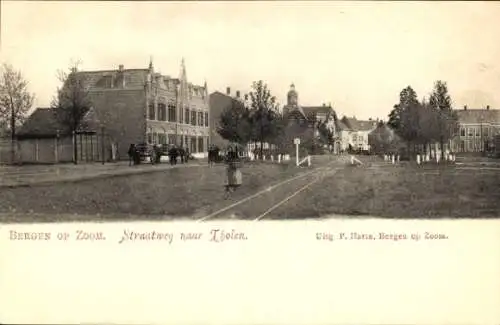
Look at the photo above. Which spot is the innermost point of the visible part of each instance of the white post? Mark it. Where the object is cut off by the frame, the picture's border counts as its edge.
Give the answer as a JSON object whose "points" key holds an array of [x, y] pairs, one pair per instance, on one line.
{"points": [[36, 150], [308, 160], [279, 159], [56, 147], [385, 157], [296, 141], [272, 158], [352, 160], [418, 159], [397, 157], [393, 161]]}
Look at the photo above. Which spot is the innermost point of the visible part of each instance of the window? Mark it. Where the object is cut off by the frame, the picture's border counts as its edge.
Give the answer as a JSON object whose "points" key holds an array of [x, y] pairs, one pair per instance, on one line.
{"points": [[150, 137], [187, 117], [193, 118], [171, 113], [200, 144], [200, 118], [162, 112], [151, 112], [206, 119], [193, 145], [478, 132], [180, 118], [462, 132], [162, 138], [470, 132]]}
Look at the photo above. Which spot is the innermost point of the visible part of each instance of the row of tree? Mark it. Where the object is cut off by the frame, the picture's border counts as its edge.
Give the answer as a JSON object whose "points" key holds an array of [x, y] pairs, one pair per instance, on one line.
{"points": [[421, 123], [258, 119]]}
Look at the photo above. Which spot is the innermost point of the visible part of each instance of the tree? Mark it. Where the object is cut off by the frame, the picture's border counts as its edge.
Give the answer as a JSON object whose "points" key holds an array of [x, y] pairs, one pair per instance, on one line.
{"points": [[408, 119], [234, 124], [72, 102], [326, 135], [428, 125], [264, 114], [15, 101], [447, 120], [383, 139], [395, 117]]}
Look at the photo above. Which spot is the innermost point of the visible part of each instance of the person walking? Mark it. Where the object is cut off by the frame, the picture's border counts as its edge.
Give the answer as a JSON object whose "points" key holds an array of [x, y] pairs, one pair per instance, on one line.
{"points": [[131, 151], [172, 154]]}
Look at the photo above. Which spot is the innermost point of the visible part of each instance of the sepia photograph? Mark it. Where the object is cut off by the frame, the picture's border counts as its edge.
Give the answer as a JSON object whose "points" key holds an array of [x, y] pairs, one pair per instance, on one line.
{"points": [[124, 120], [209, 112]]}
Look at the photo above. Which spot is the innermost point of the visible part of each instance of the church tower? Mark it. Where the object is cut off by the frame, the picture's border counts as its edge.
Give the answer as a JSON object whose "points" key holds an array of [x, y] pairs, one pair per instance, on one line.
{"points": [[292, 102]]}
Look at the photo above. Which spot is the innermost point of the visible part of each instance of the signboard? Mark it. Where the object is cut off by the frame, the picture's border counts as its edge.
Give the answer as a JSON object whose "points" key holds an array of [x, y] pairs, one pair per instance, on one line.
{"points": [[296, 141]]}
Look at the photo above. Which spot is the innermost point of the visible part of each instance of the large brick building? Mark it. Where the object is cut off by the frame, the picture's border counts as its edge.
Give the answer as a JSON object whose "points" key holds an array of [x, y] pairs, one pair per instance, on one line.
{"points": [[141, 105], [478, 127], [219, 102]]}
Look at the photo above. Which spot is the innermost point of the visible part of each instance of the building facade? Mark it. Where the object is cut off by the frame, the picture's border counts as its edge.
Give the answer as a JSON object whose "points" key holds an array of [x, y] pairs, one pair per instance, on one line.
{"points": [[353, 133], [478, 128], [141, 105]]}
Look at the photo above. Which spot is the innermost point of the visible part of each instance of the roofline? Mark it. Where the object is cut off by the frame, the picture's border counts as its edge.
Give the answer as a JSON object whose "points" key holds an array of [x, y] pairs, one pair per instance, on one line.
{"points": [[115, 70]]}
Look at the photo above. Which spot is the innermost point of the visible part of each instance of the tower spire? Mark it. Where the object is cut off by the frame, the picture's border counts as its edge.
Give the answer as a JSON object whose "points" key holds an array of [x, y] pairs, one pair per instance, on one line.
{"points": [[150, 62], [183, 70]]}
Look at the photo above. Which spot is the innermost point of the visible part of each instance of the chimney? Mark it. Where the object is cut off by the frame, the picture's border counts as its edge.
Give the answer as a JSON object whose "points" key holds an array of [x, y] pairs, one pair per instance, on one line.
{"points": [[465, 107], [228, 91], [237, 94], [120, 67], [324, 104], [487, 107]]}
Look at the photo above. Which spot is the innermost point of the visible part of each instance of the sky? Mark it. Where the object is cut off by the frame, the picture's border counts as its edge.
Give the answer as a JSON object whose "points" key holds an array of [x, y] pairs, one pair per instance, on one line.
{"points": [[357, 56]]}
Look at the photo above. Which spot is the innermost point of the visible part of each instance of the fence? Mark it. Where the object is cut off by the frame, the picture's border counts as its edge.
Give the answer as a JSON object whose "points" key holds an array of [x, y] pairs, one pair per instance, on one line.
{"points": [[90, 148]]}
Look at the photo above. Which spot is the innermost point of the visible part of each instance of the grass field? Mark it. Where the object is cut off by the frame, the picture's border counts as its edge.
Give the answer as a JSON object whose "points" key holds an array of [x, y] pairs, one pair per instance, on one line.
{"points": [[374, 189], [173, 192], [402, 192]]}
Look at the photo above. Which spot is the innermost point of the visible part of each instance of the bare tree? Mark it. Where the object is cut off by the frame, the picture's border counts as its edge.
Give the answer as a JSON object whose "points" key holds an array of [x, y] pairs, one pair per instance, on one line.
{"points": [[15, 101], [72, 102]]}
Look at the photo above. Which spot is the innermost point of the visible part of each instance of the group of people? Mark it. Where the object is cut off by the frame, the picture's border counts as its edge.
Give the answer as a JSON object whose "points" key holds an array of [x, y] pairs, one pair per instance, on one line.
{"points": [[231, 157], [136, 152], [178, 152]]}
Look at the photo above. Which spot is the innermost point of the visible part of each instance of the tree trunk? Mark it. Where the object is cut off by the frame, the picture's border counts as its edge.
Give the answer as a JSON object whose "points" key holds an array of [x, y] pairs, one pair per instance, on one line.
{"points": [[12, 137], [75, 149], [441, 144]]}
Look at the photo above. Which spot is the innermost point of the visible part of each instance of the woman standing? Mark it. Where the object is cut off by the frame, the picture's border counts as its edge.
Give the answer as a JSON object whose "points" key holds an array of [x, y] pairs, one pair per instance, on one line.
{"points": [[234, 176]]}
